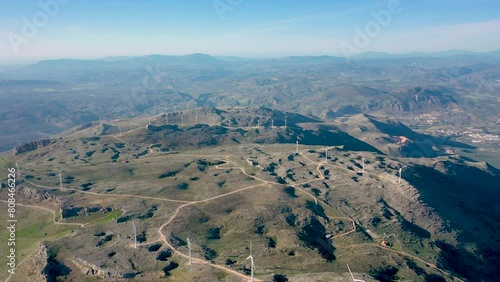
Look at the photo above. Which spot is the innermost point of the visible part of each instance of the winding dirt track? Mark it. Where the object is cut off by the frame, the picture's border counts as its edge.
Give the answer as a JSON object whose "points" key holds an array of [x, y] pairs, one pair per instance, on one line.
{"points": [[227, 160]]}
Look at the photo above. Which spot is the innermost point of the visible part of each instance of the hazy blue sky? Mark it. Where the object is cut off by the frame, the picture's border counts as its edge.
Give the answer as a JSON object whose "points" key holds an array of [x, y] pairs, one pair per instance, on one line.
{"points": [[86, 28]]}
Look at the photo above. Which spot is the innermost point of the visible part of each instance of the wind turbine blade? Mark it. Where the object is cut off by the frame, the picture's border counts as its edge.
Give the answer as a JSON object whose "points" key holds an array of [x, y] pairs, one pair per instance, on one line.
{"points": [[350, 273]]}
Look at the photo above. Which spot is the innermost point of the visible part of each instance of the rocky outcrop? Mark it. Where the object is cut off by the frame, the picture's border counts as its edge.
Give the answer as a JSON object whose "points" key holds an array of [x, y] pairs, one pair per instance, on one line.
{"points": [[34, 196], [90, 269], [37, 262], [31, 146]]}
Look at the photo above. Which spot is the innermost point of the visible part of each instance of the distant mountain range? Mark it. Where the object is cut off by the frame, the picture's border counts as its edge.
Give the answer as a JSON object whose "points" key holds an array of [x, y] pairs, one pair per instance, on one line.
{"points": [[458, 88]]}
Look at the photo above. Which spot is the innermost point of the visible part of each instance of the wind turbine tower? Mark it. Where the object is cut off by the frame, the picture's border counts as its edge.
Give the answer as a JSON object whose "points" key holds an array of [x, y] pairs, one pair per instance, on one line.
{"points": [[326, 156], [285, 122], [252, 266], [189, 248], [400, 171], [297, 145], [18, 172], [354, 279], [363, 165], [60, 180], [120, 128], [135, 234], [182, 120]]}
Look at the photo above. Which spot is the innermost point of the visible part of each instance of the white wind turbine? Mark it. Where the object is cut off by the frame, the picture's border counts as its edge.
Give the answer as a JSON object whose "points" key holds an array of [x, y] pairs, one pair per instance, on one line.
{"points": [[354, 279], [252, 266], [400, 172], [326, 156], [60, 180], [135, 233], [189, 248], [18, 171], [297, 145]]}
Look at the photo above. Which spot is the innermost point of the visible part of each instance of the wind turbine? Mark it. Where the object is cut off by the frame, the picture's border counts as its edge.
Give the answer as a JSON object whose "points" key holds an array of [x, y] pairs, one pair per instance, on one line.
{"points": [[285, 122], [135, 233], [189, 248], [354, 279], [326, 156], [196, 119], [149, 121], [363, 170], [60, 180], [18, 171], [252, 266], [213, 120], [297, 145], [272, 123], [120, 128], [400, 172], [182, 120]]}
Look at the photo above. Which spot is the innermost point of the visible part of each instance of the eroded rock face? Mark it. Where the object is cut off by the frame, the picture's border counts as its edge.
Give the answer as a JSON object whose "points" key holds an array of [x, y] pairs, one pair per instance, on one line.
{"points": [[33, 145], [37, 262], [90, 269]]}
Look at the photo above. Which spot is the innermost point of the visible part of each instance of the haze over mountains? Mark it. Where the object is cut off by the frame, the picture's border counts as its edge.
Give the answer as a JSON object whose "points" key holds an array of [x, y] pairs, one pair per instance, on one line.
{"points": [[456, 89]]}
